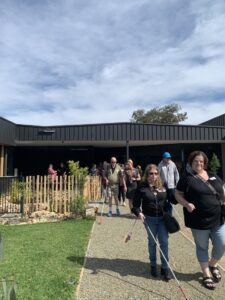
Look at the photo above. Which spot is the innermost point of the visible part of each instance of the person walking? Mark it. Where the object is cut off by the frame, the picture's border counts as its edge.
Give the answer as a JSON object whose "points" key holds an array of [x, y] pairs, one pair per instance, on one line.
{"points": [[62, 170], [112, 181], [131, 176], [122, 193], [94, 171], [169, 176], [102, 171], [140, 171], [52, 173], [148, 204], [201, 193]]}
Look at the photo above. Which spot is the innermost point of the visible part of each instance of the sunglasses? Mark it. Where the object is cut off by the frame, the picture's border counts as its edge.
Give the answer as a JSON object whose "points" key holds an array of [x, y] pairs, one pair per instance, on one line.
{"points": [[113, 162], [152, 173]]}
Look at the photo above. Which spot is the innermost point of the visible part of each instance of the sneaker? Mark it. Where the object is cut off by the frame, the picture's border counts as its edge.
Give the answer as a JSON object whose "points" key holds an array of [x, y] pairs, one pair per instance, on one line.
{"points": [[117, 212], [109, 214], [124, 203]]}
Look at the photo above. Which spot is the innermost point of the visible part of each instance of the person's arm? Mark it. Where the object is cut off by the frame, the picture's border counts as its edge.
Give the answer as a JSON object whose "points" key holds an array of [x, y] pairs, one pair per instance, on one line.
{"points": [[104, 176], [176, 175], [141, 216], [138, 176], [180, 198], [51, 171], [137, 205], [162, 174], [122, 176], [124, 184]]}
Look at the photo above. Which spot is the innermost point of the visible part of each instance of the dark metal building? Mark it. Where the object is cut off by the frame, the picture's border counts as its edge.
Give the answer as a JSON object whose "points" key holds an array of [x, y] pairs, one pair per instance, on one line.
{"points": [[29, 149], [218, 121]]}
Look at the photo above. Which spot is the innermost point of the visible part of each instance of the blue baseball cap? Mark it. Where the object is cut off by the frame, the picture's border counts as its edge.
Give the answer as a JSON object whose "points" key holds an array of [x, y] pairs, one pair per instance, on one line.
{"points": [[166, 155]]}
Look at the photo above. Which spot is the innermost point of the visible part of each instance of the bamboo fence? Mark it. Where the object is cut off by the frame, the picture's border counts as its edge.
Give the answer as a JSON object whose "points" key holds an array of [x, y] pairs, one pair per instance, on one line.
{"points": [[58, 195]]}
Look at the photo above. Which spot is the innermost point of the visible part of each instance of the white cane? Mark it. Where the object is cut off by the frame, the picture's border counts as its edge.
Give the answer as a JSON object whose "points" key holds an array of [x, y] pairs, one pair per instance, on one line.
{"points": [[157, 244], [128, 236]]}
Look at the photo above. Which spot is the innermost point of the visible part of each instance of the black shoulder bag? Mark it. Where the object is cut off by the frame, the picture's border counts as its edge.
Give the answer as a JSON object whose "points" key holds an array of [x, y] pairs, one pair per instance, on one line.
{"points": [[170, 221]]}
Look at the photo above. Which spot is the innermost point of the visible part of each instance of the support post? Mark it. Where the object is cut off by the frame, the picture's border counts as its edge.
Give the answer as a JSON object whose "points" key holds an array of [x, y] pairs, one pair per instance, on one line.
{"points": [[127, 150], [2, 161]]}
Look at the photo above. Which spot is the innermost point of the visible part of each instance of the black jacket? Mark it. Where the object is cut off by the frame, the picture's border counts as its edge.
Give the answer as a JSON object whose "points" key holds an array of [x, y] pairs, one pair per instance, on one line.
{"points": [[149, 200]]}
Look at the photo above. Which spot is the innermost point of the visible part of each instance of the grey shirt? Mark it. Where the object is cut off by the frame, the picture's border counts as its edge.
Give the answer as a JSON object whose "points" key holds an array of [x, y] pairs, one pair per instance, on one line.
{"points": [[169, 174]]}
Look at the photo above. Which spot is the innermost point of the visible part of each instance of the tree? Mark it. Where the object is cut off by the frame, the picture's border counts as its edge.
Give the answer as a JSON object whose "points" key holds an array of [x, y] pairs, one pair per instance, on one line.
{"points": [[214, 163], [168, 114]]}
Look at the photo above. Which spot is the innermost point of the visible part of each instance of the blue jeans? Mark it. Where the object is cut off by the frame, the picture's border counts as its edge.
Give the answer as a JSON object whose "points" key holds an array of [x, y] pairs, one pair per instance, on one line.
{"points": [[201, 237], [157, 227]]}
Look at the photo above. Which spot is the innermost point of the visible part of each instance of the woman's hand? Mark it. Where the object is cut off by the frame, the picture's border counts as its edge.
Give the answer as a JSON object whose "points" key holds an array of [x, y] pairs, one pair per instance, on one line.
{"points": [[180, 198], [142, 217], [190, 207]]}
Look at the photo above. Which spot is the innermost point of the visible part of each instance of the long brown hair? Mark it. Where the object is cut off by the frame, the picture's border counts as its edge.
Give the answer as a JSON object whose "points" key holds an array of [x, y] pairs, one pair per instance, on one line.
{"points": [[158, 182]]}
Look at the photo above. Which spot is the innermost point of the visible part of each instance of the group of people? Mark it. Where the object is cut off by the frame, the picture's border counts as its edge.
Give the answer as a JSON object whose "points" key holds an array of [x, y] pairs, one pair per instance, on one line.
{"points": [[52, 173], [199, 191], [120, 182]]}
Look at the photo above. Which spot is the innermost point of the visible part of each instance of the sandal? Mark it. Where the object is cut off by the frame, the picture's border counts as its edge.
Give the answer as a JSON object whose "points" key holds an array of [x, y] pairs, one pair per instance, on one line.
{"points": [[215, 273], [209, 283]]}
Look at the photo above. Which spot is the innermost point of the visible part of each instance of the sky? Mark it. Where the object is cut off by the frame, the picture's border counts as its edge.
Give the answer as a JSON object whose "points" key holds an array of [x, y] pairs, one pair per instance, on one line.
{"points": [[68, 62]]}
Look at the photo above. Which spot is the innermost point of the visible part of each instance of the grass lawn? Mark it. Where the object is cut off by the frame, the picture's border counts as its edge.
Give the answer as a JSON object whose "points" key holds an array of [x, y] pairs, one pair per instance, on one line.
{"points": [[43, 257]]}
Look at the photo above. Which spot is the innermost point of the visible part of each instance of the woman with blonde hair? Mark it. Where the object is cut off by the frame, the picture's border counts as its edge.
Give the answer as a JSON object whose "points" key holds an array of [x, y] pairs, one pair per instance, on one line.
{"points": [[131, 175], [148, 204]]}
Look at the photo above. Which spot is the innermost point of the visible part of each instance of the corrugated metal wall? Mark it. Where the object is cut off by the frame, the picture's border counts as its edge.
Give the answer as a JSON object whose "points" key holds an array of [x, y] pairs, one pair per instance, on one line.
{"points": [[120, 132], [218, 121], [7, 132]]}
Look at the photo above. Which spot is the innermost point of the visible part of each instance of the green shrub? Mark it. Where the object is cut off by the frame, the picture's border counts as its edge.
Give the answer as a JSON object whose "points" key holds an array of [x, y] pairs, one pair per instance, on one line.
{"points": [[76, 170], [18, 189], [214, 163], [78, 206]]}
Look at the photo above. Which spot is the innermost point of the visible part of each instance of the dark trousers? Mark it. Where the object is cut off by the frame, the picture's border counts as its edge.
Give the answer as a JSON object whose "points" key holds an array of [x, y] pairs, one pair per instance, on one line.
{"points": [[121, 194]]}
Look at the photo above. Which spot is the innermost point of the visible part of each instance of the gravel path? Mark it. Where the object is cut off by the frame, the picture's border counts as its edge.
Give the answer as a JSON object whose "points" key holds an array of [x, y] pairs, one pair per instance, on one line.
{"points": [[117, 270]]}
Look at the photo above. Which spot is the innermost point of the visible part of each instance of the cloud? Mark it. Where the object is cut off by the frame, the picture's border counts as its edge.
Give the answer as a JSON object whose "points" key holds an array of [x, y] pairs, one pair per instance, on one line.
{"points": [[76, 62]]}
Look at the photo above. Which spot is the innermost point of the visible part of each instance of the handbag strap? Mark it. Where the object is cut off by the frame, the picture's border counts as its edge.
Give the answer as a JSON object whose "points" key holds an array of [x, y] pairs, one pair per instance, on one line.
{"points": [[213, 190]]}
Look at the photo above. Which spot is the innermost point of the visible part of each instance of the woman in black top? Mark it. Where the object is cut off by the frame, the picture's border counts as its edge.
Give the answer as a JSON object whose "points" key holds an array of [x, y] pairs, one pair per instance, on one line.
{"points": [[201, 192], [131, 176], [148, 203]]}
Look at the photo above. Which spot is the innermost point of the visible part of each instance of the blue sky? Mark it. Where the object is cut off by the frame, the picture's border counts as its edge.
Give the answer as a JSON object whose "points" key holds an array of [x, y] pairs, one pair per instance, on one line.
{"points": [[96, 61]]}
